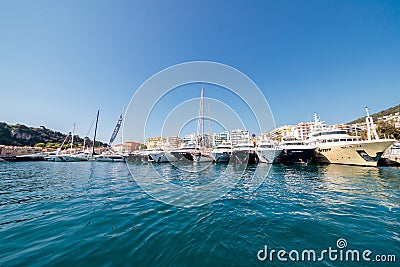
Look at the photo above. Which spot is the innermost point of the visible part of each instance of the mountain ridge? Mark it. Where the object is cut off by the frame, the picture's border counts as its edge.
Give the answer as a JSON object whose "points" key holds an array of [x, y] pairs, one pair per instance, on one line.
{"points": [[22, 135], [378, 114]]}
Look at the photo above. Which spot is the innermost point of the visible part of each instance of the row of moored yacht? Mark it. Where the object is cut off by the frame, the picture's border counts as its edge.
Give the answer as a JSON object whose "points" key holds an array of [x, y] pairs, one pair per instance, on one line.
{"points": [[321, 146]]}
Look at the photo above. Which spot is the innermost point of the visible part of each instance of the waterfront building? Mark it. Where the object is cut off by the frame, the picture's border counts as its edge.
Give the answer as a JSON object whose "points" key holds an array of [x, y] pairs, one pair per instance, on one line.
{"points": [[391, 118], [174, 141], [10, 151], [127, 147], [190, 139], [238, 135], [153, 142], [281, 132], [219, 138], [118, 148], [303, 129]]}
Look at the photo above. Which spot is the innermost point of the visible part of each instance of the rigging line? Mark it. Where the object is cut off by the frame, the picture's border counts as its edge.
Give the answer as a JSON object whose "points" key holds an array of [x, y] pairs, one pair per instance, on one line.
{"points": [[91, 126]]}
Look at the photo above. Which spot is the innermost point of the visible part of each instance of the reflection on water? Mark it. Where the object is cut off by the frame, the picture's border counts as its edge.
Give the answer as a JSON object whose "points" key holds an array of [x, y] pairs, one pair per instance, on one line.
{"points": [[381, 184], [87, 213]]}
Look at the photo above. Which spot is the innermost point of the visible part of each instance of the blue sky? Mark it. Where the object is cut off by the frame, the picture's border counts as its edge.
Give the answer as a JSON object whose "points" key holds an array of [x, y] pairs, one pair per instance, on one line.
{"points": [[60, 61]]}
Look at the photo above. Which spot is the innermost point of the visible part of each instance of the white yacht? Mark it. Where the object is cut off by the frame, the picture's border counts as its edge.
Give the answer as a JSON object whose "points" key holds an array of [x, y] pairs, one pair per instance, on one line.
{"points": [[244, 152], [267, 151], [72, 157], [50, 156], [222, 152], [336, 146], [66, 157], [295, 151], [202, 155], [140, 156], [161, 154], [185, 152], [157, 155], [391, 157], [109, 157]]}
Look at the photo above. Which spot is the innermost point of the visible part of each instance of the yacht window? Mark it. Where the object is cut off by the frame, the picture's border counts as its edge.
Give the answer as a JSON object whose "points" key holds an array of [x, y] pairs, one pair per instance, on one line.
{"points": [[329, 140], [342, 140]]}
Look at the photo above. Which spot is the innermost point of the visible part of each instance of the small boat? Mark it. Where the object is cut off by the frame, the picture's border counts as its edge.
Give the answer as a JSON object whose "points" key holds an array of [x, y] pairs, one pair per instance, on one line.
{"points": [[222, 152]]}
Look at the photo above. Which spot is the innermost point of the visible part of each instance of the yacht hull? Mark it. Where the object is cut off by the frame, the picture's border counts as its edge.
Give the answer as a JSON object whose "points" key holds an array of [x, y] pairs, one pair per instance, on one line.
{"points": [[137, 158], [268, 155], [110, 158], [244, 156], [221, 157], [182, 156], [202, 157], [24, 158], [296, 155], [363, 153], [159, 157], [68, 158]]}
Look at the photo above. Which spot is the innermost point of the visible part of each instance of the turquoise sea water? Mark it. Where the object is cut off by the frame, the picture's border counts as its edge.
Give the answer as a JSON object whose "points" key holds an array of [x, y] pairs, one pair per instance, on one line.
{"points": [[95, 214]]}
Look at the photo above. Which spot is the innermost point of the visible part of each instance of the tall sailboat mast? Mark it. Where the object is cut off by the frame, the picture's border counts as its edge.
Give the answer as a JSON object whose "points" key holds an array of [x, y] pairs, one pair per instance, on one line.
{"points": [[202, 116], [72, 137], [95, 132], [209, 127]]}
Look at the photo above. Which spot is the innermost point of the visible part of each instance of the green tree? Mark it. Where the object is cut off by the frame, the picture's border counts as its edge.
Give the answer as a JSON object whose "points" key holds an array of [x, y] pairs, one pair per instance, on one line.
{"points": [[42, 145], [141, 146], [386, 130]]}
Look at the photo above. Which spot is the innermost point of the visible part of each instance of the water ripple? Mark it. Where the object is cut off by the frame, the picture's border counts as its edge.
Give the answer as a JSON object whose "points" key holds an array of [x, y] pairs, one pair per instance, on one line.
{"points": [[95, 214]]}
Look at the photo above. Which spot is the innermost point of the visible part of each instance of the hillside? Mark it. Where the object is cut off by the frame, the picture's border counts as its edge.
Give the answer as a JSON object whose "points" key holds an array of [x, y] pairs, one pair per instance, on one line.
{"points": [[382, 113], [21, 135]]}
